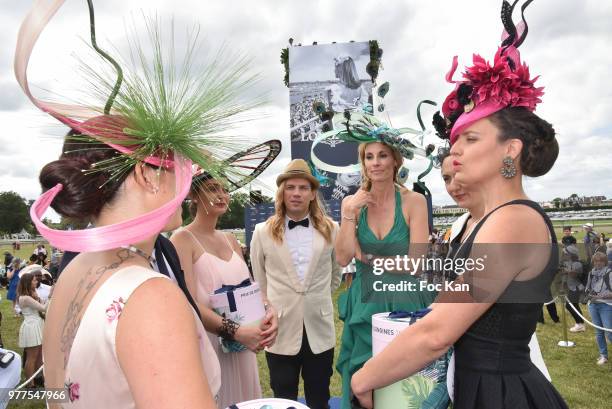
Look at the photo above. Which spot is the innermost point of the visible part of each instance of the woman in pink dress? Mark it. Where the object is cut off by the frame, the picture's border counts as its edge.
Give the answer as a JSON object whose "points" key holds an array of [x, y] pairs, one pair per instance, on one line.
{"points": [[210, 259]]}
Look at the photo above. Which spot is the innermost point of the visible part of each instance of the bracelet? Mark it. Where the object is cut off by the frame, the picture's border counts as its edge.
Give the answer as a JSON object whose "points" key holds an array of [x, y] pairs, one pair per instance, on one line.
{"points": [[266, 306], [349, 219], [228, 329]]}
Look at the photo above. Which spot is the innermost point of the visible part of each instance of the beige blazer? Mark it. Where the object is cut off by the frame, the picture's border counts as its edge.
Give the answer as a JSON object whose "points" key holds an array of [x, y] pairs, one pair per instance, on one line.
{"points": [[308, 304]]}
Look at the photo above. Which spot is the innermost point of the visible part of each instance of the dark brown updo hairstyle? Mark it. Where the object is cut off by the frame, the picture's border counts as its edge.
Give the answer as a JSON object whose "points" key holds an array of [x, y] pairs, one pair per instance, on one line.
{"points": [[540, 147], [84, 193]]}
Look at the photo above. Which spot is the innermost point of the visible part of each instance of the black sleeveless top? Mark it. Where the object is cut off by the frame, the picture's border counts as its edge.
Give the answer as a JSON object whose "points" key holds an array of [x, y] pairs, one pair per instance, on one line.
{"points": [[492, 364]]}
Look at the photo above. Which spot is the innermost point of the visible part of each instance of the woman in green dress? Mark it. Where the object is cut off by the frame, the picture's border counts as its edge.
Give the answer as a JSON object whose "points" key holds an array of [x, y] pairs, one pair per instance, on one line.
{"points": [[383, 219]]}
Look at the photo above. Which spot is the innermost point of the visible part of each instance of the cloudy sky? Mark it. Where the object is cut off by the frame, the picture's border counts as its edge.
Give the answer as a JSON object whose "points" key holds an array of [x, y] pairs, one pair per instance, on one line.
{"points": [[568, 45]]}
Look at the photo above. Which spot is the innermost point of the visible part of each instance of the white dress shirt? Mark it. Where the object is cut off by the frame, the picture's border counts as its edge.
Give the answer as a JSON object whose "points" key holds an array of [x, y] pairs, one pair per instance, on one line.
{"points": [[299, 241]]}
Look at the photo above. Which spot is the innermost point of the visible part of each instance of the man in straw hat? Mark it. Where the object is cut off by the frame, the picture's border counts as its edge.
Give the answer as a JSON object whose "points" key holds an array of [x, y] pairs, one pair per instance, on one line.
{"points": [[293, 260]]}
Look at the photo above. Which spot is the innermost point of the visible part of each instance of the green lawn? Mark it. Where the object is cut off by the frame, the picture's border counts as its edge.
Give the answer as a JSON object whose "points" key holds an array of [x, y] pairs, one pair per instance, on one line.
{"points": [[25, 252]]}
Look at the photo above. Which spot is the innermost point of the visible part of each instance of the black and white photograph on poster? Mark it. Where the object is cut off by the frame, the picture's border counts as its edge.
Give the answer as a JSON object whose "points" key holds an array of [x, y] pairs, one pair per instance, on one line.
{"points": [[335, 75]]}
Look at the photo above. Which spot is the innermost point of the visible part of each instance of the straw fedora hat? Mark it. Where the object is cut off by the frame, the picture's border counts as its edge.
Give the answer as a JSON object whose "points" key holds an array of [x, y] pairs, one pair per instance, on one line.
{"points": [[297, 168]]}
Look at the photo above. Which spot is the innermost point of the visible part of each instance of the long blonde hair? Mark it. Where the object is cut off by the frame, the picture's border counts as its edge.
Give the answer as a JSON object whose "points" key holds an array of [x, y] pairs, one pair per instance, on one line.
{"points": [[366, 183], [320, 221]]}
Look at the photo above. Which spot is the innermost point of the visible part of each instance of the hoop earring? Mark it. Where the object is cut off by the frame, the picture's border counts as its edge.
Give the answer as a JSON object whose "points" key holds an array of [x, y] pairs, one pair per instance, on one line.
{"points": [[508, 170]]}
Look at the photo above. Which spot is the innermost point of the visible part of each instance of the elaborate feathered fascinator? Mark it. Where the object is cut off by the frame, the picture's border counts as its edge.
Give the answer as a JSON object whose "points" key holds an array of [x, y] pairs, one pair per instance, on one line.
{"points": [[152, 109], [486, 88], [363, 127]]}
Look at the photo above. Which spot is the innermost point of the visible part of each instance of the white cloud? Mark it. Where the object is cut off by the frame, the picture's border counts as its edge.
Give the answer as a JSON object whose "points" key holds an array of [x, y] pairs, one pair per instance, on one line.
{"points": [[568, 45]]}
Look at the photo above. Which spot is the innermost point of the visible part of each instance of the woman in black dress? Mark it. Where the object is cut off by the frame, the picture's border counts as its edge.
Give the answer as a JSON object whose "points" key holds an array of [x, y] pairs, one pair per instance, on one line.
{"points": [[496, 139]]}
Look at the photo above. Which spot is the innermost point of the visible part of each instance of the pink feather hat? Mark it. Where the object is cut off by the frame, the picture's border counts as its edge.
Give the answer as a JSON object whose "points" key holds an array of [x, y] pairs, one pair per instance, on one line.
{"points": [[486, 88]]}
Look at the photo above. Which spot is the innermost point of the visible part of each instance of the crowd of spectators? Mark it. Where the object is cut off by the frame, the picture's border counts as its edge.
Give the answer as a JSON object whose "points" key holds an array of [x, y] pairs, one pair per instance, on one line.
{"points": [[29, 287]]}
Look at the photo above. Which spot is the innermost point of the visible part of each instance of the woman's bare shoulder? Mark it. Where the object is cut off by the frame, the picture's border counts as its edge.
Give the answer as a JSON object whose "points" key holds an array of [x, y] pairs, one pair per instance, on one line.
{"points": [[181, 237], [514, 224], [232, 239]]}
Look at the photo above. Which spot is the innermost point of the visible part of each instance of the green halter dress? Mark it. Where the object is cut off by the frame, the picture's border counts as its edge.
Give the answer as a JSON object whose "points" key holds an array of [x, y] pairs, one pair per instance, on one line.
{"points": [[357, 305]]}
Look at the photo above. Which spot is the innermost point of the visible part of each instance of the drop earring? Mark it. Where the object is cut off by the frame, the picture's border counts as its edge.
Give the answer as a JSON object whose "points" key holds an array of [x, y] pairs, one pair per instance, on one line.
{"points": [[154, 189], [508, 170]]}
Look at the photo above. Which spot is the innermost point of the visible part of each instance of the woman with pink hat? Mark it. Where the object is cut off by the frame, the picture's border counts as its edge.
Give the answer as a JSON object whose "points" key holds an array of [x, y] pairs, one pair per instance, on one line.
{"points": [[495, 139], [118, 334]]}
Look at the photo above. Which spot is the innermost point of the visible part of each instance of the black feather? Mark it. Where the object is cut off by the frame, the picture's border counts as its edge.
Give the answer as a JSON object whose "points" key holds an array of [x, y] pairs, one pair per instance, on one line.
{"points": [[524, 34], [506, 18], [464, 94], [439, 125]]}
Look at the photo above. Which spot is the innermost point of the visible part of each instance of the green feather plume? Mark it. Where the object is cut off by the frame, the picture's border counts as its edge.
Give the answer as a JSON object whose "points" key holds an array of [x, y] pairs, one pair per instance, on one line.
{"points": [[172, 105]]}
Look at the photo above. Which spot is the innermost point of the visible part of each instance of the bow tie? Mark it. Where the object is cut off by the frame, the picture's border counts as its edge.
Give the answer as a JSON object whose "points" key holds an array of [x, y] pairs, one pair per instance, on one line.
{"points": [[303, 222]]}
